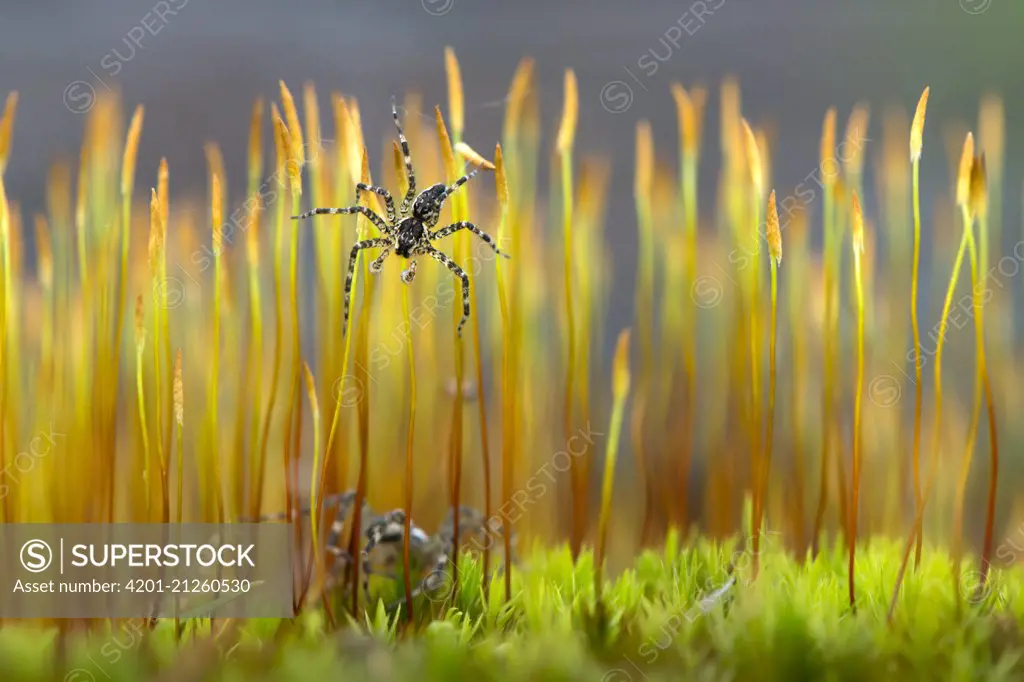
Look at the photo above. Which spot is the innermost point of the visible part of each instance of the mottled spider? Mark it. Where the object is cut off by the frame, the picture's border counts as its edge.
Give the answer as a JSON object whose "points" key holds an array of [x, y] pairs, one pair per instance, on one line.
{"points": [[409, 230], [384, 535]]}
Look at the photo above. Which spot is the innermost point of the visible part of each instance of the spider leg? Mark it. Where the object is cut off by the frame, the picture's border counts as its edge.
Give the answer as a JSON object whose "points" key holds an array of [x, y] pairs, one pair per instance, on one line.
{"points": [[373, 217], [457, 184], [345, 502], [389, 202], [464, 225], [409, 274], [461, 274], [378, 265], [410, 194], [365, 244]]}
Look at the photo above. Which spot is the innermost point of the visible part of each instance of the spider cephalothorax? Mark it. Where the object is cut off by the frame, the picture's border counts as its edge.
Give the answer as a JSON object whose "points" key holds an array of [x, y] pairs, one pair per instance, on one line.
{"points": [[408, 231]]}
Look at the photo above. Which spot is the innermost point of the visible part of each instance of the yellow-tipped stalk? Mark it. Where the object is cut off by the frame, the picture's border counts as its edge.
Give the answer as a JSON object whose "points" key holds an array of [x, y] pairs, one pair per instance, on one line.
{"points": [[140, 347], [485, 448], [459, 213], [362, 375], [979, 201], [916, 141], [409, 439], [826, 154], [620, 390], [752, 155], [643, 182], [281, 155], [7, 128], [216, 221], [179, 420], [131, 150], [564, 146], [5, 287], [689, 110], [853, 146], [936, 436], [773, 234], [252, 252], [456, 106], [296, 160], [963, 202], [178, 393], [507, 459], [854, 507], [314, 484], [161, 341]]}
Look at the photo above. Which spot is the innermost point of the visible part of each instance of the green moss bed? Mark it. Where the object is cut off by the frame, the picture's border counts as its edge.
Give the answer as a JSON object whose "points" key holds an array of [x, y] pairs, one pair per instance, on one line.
{"points": [[689, 611]]}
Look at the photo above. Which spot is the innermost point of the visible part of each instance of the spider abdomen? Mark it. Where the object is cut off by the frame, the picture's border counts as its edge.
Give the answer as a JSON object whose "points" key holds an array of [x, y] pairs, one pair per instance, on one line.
{"points": [[410, 234]]}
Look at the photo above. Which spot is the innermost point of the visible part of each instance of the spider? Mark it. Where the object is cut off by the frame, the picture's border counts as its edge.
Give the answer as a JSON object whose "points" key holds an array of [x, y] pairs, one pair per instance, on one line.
{"points": [[384, 535], [408, 231]]}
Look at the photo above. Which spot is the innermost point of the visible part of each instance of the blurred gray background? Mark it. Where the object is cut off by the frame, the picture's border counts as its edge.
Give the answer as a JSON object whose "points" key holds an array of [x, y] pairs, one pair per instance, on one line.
{"points": [[197, 65]]}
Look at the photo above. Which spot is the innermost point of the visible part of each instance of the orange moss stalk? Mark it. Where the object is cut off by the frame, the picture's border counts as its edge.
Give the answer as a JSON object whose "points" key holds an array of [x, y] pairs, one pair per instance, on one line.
{"points": [[773, 234], [7, 128], [5, 286], [854, 507], [564, 146], [314, 470], [281, 149], [827, 150], [161, 336], [916, 530], [979, 207], [362, 375], [458, 214], [689, 110], [752, 155], [349, 162], [507, 406], [916, 133], [131, 150], [409, 439], [963, 195], [140, 347], [216, 220], [798, 228], [178, 390], [644, 296], [485, 448], [620, 390], [296, 160]]}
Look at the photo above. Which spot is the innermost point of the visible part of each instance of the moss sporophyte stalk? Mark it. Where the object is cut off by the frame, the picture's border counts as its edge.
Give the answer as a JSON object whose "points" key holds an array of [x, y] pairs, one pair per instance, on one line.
{"points": [[467, 457]]}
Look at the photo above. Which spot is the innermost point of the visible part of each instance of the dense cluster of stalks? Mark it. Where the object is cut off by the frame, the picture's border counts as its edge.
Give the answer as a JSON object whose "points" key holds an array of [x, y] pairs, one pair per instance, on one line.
{"points": [[240, 375]]}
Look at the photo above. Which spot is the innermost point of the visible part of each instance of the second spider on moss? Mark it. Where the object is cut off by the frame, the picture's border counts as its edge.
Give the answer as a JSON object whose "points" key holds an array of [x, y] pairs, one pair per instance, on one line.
{"points": [[408, 231]]}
